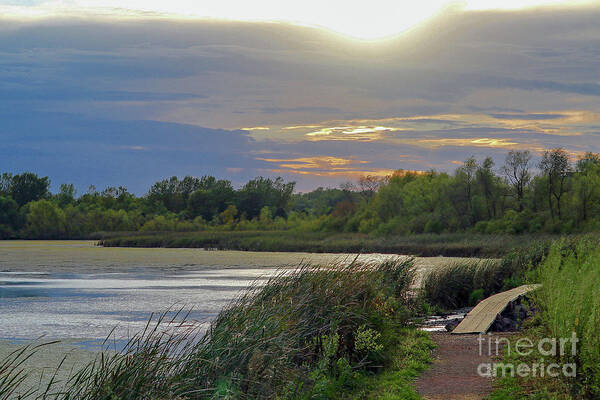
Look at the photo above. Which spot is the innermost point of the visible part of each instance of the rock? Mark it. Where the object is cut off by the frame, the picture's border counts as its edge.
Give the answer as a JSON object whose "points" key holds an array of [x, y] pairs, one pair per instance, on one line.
{"points": [[512, 317], [504, 324], [509, 324], [450, 326]]}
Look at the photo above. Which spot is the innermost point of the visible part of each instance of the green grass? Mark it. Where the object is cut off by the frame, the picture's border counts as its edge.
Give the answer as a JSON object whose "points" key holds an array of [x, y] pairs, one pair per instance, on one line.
{"points": [[318, 332], [532, 388], [411, 356], [570, 304], [427, 245], [567, 303]]}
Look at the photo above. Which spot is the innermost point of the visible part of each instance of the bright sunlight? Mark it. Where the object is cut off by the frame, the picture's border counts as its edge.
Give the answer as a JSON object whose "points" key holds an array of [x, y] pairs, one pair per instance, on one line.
{"points": [[370, 20]]}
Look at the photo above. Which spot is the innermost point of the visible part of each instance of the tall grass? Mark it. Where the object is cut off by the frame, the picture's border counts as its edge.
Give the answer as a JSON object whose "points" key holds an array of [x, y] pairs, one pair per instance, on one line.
{"points": [[463, 284], [306, 333], [449, 245], [451, 286], [570, 303]]}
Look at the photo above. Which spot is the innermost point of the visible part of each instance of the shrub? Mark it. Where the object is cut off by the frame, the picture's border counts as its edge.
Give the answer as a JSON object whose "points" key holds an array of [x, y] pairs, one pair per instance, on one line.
{"points": [[476, 296]]}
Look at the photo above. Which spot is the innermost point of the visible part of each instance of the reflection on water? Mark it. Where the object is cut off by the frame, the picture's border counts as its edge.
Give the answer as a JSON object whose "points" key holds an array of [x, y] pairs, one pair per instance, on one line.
{"points": [[90, 305], [78, 290]]}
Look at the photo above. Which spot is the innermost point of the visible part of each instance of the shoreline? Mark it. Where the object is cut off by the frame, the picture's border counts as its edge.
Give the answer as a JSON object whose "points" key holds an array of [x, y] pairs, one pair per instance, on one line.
{"points": [[425, 245]]}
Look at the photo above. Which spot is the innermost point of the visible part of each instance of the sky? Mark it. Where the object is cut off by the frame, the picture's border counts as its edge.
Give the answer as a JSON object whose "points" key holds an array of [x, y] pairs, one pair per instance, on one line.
{"points": [[128, 92]]}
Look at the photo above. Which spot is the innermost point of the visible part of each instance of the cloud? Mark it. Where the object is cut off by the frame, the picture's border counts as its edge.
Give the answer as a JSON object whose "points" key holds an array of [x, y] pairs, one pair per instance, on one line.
{"points": [[528, 117], [313, 110], [127, 101]]}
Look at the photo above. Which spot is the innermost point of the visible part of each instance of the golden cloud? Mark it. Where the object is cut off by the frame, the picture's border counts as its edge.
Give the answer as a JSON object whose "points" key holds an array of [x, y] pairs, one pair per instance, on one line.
{"points": [[351, 174], [256, 128], [288, 128], [325, 166], [320, 162], [476, 142], [349, 132]]}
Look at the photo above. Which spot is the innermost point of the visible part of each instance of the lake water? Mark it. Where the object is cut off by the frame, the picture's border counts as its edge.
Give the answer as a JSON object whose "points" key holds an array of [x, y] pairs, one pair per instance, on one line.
{"points": [[77, 290]]}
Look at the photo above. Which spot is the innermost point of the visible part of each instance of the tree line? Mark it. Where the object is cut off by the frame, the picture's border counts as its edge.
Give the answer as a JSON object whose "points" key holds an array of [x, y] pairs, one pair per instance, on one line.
{"points": [[559, 194]]}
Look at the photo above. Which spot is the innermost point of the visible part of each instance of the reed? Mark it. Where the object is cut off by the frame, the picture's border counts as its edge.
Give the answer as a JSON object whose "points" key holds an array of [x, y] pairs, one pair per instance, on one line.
{"points": [[427, 245], [569, 303], [309, 332]]}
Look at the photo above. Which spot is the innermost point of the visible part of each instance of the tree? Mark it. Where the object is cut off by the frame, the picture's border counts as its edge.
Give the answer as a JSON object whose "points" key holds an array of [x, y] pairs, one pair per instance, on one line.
{"points": [[468, 171], [66, 194], [212, 199], [45, 220], [283, 194], [517, 172], [228, 216], [556, 167], [5, 183], [349, 190], [487, 181], [587, 182], [261, 192], [9, 217], [318, 202], [369, 184], [172, 193], [28, 187], [462, 192]]}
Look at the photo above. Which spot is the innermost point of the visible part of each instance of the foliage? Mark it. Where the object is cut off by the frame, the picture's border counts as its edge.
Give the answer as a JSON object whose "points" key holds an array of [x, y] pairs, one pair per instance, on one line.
{"points": [[26, 187], [45, 220], [563, 198]]}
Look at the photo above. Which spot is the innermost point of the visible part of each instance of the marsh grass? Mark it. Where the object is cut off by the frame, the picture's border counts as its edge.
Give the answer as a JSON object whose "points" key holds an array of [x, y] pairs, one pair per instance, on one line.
{"points": [[569, 301], [529, 387], [465, 283], [452, 286], [425, 245], [311, 332]]}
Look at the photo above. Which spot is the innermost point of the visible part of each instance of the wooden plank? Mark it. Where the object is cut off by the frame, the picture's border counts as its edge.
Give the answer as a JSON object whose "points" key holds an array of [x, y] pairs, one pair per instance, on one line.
{"points": [[481, 318]]}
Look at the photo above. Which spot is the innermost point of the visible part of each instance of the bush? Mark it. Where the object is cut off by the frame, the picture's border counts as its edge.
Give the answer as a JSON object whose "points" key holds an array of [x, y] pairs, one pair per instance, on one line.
{"points": [[476, 296]]}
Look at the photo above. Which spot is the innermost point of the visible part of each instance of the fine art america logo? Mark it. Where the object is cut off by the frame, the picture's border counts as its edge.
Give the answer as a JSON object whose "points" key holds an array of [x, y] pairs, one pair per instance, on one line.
{"points": [[552, 348]]}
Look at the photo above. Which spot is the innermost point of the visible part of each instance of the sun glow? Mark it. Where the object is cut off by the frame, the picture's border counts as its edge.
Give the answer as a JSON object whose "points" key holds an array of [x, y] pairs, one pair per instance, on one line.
{"points": [[363, 20]]}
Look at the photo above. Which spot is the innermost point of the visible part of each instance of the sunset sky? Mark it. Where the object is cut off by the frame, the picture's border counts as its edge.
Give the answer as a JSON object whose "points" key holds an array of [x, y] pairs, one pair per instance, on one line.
{"points": [[126, 92]]}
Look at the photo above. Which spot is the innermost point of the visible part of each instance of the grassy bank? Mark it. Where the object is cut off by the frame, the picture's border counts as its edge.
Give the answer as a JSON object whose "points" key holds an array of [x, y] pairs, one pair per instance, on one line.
{"points": [[568, 305], [316, 333], [426, 245]]}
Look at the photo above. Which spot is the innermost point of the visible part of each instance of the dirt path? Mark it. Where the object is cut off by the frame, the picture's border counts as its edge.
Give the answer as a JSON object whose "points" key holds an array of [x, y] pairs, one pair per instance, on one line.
{"points": [[453, 374]]}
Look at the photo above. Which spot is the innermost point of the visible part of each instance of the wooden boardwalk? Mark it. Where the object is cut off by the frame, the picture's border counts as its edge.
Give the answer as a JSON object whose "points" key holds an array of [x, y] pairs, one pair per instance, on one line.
{"points": [[481, 318]]}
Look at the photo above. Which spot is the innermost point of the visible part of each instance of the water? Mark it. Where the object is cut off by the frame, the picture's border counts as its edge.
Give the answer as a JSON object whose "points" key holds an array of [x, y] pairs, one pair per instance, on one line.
{"points": [[79, 293], [76, 290]]}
